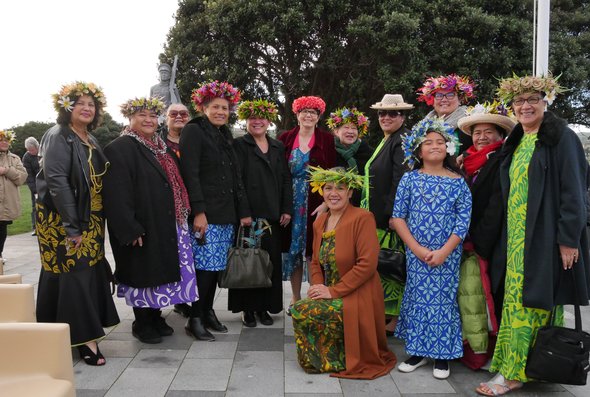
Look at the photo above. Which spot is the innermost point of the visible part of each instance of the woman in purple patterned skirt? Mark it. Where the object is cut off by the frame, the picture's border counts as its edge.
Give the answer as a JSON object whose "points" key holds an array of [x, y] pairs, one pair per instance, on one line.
{"points": [[146, 207]]}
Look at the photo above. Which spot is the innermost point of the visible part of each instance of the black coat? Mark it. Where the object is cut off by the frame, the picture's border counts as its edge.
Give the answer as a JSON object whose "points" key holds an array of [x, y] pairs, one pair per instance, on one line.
{"points": [[386, 170], [266, 177], [487, 210], [362, 155], [31, 164], [556, 214], [211, 174], [138, 201]]}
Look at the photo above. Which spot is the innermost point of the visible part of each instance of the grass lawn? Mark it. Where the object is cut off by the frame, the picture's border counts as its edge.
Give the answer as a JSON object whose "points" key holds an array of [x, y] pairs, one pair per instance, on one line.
{"points": [[23, 223]]}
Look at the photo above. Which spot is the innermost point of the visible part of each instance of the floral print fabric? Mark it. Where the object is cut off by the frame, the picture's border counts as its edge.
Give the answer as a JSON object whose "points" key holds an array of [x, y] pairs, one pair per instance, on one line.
{"points": [[318, 324]]}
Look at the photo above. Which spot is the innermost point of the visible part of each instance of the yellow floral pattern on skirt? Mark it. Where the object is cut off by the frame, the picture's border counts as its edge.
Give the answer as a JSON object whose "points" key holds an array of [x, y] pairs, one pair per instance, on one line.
{"points": [[519, 324], [57, 255], [318, 324]]}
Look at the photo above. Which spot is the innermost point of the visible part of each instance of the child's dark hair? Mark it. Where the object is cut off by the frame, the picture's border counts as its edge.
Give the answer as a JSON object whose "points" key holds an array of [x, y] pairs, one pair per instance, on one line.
{"points": [[449, 162]]}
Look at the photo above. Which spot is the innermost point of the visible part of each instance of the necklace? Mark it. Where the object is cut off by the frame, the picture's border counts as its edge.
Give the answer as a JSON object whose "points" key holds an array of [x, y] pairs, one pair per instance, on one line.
{"points": [[332, 219]]}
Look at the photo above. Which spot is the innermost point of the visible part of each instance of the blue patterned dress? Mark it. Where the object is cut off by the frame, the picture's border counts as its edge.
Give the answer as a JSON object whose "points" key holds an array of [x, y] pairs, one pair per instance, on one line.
{"points": [[434, 207], [212, 256], [298, 162]]}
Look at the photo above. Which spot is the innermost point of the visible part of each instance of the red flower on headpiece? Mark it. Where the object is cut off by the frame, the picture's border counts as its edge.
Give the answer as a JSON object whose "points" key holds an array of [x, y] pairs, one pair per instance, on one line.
{"points": [[308, 102]]}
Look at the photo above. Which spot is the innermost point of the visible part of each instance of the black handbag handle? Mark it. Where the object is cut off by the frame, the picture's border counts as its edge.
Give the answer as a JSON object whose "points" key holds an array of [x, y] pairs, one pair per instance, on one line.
{"points": [[387, 233], [577, 313]]}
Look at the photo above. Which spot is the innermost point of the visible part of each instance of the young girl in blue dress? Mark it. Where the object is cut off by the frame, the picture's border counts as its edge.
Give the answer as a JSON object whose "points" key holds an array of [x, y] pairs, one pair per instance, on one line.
{"points": [[431, 215]]}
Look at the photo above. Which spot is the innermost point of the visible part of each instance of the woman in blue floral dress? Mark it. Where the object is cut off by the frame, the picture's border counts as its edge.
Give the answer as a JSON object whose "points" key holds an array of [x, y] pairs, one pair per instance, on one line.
{"points": [[432, 211]]}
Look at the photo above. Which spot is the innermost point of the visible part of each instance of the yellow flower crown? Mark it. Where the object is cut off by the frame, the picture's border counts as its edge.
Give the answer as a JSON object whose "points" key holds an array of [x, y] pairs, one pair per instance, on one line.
{"points": [[133, 106], [7, 135], [67, 96], [318, 177]]}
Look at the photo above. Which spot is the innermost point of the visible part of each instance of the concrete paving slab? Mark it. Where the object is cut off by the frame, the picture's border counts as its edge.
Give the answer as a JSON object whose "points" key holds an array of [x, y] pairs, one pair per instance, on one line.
{"points": [[215, 349], [119, 348], [380, 387], [99, 378], [203, 374], [144, 382], [158, 358], [261, 339], [194, 393], [290, 352], [421, 381], [257, 374], [297, 381], [90, 393]]}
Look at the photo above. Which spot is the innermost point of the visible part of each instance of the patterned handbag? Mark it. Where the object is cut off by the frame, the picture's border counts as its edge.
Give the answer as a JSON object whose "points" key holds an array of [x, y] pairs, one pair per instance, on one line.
{"points": [[247, 267]]}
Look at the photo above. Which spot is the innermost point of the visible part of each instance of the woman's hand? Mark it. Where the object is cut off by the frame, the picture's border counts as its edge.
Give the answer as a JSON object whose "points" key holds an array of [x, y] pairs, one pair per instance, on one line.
{"points": [[435, 258], [421, 253], [460, 160], [569, 256], [323, 207], [3, 170], [75, 241], [285, 219], [200, 224], [319, 291], [247, 221]]}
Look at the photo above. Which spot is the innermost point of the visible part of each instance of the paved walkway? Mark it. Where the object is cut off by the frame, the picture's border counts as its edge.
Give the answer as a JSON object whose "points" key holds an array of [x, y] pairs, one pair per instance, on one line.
{"points": [[244, 362]]}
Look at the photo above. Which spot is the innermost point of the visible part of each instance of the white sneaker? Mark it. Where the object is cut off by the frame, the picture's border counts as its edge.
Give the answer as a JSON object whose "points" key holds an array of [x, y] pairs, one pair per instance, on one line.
{"points": [[405, 367], [441, 373]]}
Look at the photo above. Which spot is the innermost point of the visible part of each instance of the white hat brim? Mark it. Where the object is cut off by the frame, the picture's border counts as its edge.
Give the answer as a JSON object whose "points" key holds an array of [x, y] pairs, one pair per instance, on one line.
{"points": [[504, 122], [393, 106]]}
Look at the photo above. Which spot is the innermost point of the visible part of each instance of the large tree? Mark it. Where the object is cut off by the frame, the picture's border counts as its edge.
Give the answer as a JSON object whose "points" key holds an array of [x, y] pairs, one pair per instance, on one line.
{"points": [[352, 52]]}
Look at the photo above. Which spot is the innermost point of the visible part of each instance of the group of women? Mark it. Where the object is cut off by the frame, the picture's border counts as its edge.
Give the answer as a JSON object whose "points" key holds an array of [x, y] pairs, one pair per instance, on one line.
{"points": [[173, 203]]}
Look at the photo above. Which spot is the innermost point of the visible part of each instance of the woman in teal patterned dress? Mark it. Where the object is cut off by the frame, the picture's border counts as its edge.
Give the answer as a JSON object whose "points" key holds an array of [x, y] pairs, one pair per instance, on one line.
{"points": [[543, 177], [340, 327]]}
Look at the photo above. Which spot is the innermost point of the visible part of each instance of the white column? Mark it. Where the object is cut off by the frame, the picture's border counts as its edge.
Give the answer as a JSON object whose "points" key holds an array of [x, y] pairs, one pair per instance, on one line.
{"points": [[542, 39]]}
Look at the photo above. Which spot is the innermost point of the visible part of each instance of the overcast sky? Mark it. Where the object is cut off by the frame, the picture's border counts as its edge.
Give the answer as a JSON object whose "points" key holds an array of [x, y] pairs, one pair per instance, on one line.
{"points": [[47, 43]]}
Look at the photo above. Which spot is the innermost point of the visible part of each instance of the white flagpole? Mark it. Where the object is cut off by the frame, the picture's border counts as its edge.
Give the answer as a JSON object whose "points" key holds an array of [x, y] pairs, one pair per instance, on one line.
{"points": [[542, 38]]}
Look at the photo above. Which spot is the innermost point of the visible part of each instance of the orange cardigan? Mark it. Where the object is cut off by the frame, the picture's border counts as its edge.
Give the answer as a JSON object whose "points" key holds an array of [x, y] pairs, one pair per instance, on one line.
{"points": [[357, 249]]}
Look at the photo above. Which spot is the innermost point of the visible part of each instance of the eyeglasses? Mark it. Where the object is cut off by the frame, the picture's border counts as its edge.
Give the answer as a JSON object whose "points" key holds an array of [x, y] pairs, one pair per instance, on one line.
{"points": [[310, 112], [531, 100], [391, 113], [448, 95], [174, 113]]}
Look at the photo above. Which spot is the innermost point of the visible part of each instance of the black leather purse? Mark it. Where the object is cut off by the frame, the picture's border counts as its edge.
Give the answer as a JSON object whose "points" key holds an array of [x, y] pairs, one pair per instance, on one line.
{"points": [[391, 262], [560, 355]]}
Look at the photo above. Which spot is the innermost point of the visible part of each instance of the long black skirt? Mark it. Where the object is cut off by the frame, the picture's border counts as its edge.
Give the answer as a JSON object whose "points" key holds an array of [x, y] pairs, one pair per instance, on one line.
{"points": [[263, 299]]}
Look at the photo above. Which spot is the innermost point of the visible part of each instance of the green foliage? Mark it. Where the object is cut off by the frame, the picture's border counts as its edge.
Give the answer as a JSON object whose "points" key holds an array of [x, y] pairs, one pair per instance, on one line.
{"points": [[22, 224], [108, 130], [352, 52]]}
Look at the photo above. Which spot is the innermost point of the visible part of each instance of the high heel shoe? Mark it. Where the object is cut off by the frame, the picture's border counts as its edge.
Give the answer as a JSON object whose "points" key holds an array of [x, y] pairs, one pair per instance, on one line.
{"points": [[195, 327], [89, 356]]}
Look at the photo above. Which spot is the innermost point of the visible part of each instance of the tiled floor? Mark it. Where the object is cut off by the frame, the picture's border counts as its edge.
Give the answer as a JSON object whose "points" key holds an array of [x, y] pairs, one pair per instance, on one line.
{"points": [[248, 362]]}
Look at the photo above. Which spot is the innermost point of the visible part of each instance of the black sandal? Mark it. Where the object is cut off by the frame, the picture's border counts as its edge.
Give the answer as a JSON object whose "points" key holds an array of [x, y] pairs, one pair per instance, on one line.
{"points": [[89, 356]]}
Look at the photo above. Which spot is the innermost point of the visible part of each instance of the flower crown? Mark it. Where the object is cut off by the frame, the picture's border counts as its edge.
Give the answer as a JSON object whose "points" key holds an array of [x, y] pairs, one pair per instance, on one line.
{"points": [[463, 85], [495, 107], [318, 177], [67, 96], [411, 141], [133, 106], [308, 102], [260, 108], [8, 135], [344, 116], [214, 89], [513, 86]]}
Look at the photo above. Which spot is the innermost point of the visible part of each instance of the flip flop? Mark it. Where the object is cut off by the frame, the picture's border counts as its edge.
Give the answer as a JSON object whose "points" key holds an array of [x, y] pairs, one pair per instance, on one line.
{"points": [[492, 386]]}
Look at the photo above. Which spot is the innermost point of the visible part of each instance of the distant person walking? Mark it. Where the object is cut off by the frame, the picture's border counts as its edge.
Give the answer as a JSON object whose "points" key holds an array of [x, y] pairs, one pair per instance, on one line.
{"points": [[31, 164]]}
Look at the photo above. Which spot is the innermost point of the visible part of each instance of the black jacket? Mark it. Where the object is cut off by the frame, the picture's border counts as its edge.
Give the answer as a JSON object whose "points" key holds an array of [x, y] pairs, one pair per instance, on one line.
{"points": [[487, 210], [266, 177], [362, 155], [31, 164], [63, 184], [139, 201], [211, 174], [556, 214], [386, 170]]}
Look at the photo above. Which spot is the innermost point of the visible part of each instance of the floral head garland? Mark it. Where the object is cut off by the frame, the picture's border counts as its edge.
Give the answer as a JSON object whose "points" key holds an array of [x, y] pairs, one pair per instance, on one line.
{"points": [[318, 177], [308, 102], [490, 108], [7, 135], [411, 141], [513, 86], [260, 108], [133, 106], [462, 85], [345, 115], [67, 96], [214, 89]]}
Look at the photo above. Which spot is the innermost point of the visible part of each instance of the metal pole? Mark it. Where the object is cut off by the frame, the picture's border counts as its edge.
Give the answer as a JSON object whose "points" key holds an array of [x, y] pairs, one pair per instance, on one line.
{"points": [[542, 49]]}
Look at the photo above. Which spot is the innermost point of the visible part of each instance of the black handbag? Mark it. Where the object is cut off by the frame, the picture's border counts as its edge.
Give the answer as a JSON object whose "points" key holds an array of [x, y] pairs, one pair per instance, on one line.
{"points": [[559, 354], [247, 267], [391, 262]]}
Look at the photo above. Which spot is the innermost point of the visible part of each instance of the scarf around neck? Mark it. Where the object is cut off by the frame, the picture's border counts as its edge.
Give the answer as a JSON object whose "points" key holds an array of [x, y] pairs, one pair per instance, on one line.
{"points": [[158, 148], [475, 159], [348, 152], [451, 119]]}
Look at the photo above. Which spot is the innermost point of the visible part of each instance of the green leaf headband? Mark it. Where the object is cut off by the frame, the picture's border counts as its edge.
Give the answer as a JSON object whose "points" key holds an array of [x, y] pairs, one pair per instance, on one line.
{"points": [[260, 108], [318, 177]]}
